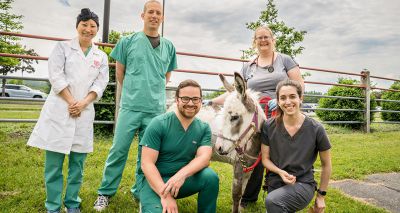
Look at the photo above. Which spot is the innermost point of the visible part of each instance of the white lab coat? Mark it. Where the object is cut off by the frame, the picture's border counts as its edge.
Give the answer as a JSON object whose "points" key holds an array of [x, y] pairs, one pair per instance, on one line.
{"points": [[56, 130]]}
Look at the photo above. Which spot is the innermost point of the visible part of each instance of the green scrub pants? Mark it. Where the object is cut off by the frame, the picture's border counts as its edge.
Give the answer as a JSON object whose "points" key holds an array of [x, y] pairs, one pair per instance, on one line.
{"points": [[205, 182], [129, 122], [54, 179]]}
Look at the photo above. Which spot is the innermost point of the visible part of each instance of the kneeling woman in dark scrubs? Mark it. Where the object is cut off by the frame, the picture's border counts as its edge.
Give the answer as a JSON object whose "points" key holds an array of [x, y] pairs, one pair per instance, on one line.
{"points": [[291, 143]]}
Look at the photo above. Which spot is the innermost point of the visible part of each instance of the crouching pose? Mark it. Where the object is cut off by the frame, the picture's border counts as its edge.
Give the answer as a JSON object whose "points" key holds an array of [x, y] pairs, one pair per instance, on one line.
{"points": [[175, 154], [291, 142]]}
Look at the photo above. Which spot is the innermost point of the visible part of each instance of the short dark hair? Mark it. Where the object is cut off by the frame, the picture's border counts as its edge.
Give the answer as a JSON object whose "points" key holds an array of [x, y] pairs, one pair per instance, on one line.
{"points": [[188, 83], [85, 15]]}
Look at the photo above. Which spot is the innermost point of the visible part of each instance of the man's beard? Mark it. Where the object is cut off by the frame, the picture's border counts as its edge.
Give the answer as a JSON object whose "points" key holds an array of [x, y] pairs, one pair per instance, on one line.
{"points": [[186, 115]]}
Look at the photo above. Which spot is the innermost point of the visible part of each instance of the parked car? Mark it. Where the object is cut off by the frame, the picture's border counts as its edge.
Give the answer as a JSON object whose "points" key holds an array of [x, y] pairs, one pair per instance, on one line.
{"points": [[22, 91], [309, 107]]}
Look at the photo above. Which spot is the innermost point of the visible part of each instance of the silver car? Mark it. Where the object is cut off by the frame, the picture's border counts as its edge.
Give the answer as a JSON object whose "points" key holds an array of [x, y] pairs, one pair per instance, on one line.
{"points": [[22, 91]]}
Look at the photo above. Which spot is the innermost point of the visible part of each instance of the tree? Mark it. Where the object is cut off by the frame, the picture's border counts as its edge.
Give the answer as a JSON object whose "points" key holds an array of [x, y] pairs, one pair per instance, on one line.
{"points": [[9, 44], [286, 37]]}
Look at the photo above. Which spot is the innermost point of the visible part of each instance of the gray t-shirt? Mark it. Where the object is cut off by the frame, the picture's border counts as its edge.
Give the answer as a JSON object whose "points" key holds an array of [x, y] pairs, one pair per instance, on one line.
{"points": [[296, 155], [260, 80]]}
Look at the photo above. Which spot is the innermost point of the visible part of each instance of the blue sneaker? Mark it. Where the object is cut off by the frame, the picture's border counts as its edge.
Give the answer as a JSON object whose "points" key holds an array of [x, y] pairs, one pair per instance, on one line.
{"points": [[73, 210]]}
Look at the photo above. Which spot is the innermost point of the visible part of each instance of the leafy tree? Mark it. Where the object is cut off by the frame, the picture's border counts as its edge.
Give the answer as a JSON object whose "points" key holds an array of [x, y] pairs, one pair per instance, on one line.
{"points": [[309, 99], [9, 44], [391, 95], [214, 94], [286, 37], [338, 103]]}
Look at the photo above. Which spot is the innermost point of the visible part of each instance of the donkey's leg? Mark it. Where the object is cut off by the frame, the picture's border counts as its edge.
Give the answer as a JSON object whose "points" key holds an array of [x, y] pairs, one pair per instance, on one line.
{"points": [[237, 186]]}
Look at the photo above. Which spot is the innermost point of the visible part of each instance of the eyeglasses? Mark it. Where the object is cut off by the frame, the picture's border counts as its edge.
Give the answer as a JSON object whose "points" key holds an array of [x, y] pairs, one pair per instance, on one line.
{"points": [[260, 38], [186, 99]]}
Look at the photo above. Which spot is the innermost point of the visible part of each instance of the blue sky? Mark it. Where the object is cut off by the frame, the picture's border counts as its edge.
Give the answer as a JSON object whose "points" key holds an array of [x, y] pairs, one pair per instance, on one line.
{"points": [[344, 35]]}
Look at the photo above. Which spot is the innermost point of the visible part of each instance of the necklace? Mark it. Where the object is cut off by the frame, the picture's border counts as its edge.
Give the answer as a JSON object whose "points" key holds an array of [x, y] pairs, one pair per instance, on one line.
{"points": [[250, 74], [270, 67]]}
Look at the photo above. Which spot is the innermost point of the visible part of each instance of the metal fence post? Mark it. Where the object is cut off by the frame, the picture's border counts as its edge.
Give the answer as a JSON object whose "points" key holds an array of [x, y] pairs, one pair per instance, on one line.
{"points": [[365, 80]]}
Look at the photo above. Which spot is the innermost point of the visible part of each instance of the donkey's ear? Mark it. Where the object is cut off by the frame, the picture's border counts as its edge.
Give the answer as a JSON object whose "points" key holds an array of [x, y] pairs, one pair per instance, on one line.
{"points": [[227, 85], [241, 88], [240, 85]]}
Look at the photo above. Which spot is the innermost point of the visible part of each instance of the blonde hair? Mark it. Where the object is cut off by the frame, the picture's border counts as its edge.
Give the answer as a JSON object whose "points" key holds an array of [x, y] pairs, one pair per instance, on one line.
{"points": [[262, 28], [148, 2]]}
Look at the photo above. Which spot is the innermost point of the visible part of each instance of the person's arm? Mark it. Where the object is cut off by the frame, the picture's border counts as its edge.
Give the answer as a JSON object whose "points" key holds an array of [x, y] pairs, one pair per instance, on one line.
{"points": [[295, 74], [120, 72], [167, 77], [326, 165], [153, 177], [202, 160], [67, 96], [266, 161], [100, 83], [220, 100]]}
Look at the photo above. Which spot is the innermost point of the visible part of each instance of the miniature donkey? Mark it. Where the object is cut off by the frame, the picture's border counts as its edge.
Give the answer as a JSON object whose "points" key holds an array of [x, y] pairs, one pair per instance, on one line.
{"points": [[237, 137]]}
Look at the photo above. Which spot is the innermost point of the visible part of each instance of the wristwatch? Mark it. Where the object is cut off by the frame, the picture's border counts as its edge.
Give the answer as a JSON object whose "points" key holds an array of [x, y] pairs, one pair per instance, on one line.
{"points": [[323, 193]]}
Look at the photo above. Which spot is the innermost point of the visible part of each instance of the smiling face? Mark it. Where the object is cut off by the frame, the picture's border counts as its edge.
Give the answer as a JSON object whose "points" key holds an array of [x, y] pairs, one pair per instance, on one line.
{"points": [[263, 40], [189, 101], [87, 30], [289, 100], [152, 16]]}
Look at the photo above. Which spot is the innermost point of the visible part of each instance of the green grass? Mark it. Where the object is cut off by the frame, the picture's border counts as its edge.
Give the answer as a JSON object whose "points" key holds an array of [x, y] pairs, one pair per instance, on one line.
{"points": [[354, 155]]}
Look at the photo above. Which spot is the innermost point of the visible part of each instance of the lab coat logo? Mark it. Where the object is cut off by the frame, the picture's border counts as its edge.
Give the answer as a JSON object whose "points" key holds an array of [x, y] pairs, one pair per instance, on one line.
{"points": [[96, 64]]}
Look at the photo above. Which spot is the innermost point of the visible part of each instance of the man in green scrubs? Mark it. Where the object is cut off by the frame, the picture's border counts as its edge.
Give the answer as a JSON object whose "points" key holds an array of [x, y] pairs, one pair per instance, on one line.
{"points": [[144, 62], [175, 154]]}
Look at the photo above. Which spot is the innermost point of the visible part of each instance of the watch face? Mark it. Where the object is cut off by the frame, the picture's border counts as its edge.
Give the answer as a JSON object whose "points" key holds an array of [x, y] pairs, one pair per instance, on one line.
{"points": [[323, 193]]}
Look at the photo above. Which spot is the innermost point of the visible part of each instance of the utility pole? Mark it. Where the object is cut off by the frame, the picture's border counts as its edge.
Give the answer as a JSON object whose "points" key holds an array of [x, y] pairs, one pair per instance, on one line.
{"points": [[163, 12], [106, 20]]}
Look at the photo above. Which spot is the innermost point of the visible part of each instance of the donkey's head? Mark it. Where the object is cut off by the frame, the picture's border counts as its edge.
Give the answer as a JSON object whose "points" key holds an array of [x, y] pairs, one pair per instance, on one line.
{"points": [[238, 114]]}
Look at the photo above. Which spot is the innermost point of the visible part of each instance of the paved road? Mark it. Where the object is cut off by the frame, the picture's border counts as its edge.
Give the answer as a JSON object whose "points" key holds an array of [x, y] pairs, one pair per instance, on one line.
{"points": [[382, 190]]}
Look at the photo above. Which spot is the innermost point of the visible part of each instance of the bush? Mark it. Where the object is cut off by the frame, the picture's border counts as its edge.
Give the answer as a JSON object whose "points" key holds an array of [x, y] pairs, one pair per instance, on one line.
{"points": [[391, 95], [107, 112], [337, 103]]}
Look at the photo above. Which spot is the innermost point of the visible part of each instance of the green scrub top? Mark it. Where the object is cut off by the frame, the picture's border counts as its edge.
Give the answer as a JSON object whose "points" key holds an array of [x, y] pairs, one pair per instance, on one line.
{"points": [[176, 146], [145, 68]]}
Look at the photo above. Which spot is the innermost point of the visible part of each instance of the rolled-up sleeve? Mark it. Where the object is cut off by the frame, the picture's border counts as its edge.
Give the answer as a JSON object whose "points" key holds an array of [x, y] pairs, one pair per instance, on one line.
{"points": [[56, 64], [101, 81]]}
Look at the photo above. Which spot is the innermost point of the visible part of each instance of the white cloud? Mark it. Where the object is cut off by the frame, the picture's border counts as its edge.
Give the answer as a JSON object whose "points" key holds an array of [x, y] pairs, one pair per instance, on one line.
{"points": [[345, 35]]}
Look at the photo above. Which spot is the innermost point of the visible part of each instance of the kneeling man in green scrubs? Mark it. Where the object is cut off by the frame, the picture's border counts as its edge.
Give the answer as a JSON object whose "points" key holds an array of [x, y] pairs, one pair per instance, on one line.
{"points": [[175, 154]]}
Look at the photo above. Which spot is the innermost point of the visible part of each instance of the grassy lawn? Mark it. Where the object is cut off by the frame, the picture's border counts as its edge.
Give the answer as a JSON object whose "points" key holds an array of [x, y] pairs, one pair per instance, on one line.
{"points": [[354, 155], [22, 188]]}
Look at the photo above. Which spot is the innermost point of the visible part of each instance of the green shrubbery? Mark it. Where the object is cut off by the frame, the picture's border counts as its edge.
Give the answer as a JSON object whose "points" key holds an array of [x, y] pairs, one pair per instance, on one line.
{"points": [[337, 103], [391, 95], [106, 112]]}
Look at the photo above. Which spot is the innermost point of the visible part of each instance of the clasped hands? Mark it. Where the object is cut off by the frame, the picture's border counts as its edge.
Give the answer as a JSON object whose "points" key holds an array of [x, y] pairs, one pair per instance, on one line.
{"points": [[75, 108]]}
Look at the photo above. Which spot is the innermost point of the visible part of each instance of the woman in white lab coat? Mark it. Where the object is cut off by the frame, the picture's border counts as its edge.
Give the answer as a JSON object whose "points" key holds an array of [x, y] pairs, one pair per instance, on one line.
{"points": [[78, 73]]}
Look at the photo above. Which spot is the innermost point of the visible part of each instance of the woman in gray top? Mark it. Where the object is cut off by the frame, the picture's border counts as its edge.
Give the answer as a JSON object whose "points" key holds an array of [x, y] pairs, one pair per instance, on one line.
{"points": [[291, 142], [262, 75]]}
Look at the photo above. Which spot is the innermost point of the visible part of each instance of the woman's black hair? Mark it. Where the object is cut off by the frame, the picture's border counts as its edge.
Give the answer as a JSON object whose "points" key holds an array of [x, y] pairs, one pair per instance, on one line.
{"points": [[85, 15]]}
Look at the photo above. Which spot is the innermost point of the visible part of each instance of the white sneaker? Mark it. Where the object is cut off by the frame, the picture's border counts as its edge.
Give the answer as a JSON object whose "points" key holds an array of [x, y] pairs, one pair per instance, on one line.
{"points": [[101, 203]]}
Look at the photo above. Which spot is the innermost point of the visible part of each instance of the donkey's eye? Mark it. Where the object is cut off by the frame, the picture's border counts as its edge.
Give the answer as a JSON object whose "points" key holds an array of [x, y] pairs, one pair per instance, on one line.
{"points": [[234, 117]]}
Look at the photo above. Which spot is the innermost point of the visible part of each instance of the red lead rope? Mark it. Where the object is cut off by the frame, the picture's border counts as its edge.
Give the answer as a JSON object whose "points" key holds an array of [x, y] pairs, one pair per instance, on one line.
{"points": [[264, 101], [248, 169]]}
